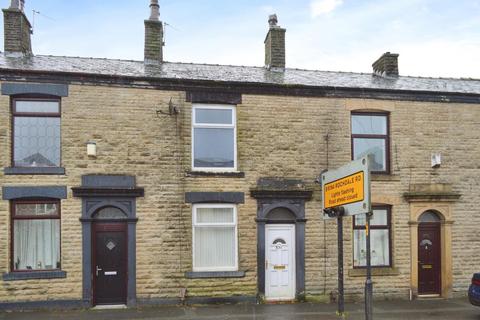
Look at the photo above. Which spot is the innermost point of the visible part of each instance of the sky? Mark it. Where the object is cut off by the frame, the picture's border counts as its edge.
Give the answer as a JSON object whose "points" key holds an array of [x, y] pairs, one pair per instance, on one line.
{"points": [[435, 38]]}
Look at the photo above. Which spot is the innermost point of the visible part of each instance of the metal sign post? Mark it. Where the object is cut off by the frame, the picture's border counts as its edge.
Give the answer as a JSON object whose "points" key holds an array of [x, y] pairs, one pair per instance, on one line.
{"points": [[368, 281], [339, 212], [346, 192], [341, 300]]}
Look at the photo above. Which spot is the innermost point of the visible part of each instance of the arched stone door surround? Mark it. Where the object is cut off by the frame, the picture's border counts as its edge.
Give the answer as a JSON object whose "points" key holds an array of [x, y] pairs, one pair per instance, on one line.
{"points": [[282, 207], [443, 211], [99, 192]]}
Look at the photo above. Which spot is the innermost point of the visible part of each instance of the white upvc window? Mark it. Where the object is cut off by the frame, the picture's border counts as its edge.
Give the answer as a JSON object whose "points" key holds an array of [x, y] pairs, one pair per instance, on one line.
{"points": [[214, 142], [215, 245]]}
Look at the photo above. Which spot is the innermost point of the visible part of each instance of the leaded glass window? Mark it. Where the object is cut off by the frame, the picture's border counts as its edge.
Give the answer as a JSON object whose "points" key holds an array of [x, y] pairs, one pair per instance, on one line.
{"points": [[36, 133]]}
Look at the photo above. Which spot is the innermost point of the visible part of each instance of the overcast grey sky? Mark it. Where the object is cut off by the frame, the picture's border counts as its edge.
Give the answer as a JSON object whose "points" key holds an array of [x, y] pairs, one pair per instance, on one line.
{"points": [[438, 38]]}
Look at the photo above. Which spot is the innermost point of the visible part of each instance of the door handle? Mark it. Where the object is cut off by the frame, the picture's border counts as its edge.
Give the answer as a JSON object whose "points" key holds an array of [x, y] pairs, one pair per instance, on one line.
{"points": [[97, 269], [266, 264]]}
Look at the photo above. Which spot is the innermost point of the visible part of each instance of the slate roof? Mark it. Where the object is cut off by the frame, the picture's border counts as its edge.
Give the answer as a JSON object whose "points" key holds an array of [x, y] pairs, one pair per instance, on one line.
{"points": [[240, 74]]}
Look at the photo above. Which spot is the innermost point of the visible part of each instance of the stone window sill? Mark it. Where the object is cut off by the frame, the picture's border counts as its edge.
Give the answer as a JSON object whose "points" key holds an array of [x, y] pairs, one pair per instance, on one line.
{"points": [[227, 174], [385, 177], [214, 274], [362, 272], [29, 275], [34, 170]]}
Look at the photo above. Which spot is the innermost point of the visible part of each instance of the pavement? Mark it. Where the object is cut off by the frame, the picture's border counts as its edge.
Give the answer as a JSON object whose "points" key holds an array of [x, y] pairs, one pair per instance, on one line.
{"points": [[439, 309]]}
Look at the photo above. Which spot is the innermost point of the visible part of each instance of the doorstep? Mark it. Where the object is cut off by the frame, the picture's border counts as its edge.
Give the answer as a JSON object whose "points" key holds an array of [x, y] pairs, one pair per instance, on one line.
{"points": [[109, 307], [280, 301], [429, 296]]}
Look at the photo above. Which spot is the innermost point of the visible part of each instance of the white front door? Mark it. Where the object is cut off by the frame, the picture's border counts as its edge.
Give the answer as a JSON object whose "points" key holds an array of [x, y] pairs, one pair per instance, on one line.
{"points": [[280, 261]]}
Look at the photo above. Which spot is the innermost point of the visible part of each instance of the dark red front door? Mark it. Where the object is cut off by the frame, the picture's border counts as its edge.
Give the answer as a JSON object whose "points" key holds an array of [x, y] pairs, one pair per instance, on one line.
{"points": [[429, 257], [109, 263]]}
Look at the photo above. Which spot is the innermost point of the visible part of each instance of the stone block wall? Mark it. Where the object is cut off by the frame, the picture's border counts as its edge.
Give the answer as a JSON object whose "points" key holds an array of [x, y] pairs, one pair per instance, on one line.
{"points": [[277, 136], [275, 48], [153, 51], [17, 32]]}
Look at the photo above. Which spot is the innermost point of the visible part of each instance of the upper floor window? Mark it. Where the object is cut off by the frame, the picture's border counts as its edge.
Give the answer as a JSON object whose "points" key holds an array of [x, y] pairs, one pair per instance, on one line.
{"points": [[370, 136], [36, 132], [215, 237], [380, 239], [214, 137], [35, 235]]}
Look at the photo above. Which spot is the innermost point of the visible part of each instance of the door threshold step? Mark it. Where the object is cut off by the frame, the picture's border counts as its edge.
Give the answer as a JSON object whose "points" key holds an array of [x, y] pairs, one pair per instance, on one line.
{"points": [[109, 307], [284, 301], [429, 296]]}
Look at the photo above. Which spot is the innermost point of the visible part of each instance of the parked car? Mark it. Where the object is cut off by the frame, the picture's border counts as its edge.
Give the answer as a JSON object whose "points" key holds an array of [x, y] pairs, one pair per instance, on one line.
{"points": [[474, 290]]}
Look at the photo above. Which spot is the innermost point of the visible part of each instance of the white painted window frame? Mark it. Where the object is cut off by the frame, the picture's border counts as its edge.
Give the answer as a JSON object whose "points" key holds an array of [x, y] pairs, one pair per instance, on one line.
{"points": [[196, 224], [215, 125]]}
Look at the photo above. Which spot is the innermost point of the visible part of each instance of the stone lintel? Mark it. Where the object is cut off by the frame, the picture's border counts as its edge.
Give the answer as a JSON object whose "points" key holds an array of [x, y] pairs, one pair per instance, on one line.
{"points": [[431, 196]]}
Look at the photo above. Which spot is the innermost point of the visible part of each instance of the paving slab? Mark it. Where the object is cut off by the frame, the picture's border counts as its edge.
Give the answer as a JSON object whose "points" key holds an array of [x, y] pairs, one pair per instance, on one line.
{"points": [[438, 309]]}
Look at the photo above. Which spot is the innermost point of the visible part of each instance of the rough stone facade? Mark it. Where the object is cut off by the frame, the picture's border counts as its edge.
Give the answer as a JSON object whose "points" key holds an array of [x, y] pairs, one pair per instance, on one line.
{"points": [[277, 136], [275, 47], [386, 65], [153, 50], [17, 32]]}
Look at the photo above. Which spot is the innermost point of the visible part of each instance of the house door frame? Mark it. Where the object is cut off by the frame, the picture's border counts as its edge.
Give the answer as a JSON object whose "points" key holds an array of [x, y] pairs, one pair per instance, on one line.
{"points": [[444, 212], [288, 201], [290, 228], [121, 270], [434, 262], [88, 224], [108, 191]]}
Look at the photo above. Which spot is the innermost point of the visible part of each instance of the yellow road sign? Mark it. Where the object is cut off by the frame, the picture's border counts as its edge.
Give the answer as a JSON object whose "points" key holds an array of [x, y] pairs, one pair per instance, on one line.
{"points": [[343, 191], [347, 187]]}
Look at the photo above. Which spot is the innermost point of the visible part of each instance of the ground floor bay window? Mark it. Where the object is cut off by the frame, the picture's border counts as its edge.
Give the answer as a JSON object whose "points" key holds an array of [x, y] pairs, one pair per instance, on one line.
{"points": [[215, 237], [380, 228], [35, 235]]}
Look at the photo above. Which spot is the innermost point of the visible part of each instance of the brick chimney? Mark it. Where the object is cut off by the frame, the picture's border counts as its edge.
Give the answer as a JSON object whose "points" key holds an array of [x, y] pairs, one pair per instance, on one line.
{"points": [[17, 30], [275, 45], [386, 65], [153, 36]]}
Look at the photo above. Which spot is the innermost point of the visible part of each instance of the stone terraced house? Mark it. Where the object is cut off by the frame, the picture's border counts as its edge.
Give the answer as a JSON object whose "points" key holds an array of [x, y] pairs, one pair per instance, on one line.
{"points": [[151, 182]]}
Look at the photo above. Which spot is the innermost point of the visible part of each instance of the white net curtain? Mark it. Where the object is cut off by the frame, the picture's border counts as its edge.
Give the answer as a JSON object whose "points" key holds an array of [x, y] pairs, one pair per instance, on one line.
{"points": [[36, 243], [378, 248], [379, 240], [214, 238]]}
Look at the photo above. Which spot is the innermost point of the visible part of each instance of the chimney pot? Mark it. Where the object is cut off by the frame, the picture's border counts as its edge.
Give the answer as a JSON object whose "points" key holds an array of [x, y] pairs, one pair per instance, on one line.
{"points": [[386, 65], [275, 45], [272, 20], [154, 10], [17, 4]]}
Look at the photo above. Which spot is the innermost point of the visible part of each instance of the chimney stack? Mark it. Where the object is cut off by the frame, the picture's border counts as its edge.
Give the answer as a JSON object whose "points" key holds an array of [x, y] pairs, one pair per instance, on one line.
{"points": [[386, 65], [17, 30], [153, 36], [275, 45]]}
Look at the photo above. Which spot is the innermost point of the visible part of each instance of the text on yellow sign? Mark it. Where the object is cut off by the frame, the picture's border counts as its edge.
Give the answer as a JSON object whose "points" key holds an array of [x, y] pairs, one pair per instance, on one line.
{"points": [[344, 191]]}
